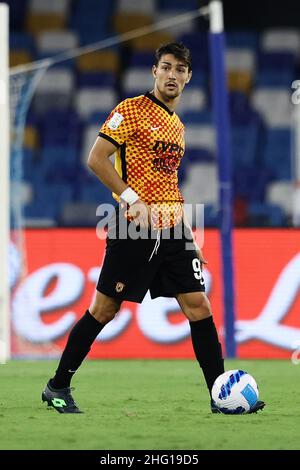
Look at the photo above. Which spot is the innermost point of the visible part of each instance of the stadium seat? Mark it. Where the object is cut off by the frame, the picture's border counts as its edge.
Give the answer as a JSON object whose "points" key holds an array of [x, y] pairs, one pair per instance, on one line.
{"points": [[201, 184], [21, 190], [180, 28], [274, 105], [138, 79], [55, 90], [90, 17], [270, 215], [19, 57], [95, 192], [268, 78], [241, 112], [49, 42], [90, 134], [200, 136], [21, 40], [194, 99], [211, 215], [197, 117], [44, 6], [178, 4], [243, 186], [198, 155], [242, 39], [281, 40], [18, 8], [243, 60], [60, 128], [59, 165], [151, 42], [45, 207], [240, 81], [146, 7], [31, 138], [245, 141], [38, 22], [99, 61], [277, 153], [124, 22], [90, 100], [76, 214], [276, 61], [141, 60], [96, 79]]}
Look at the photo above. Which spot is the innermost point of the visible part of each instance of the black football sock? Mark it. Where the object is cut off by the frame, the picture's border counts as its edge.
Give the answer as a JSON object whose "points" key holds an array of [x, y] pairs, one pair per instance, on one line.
{"points": [[81, 337], [207, 349]]}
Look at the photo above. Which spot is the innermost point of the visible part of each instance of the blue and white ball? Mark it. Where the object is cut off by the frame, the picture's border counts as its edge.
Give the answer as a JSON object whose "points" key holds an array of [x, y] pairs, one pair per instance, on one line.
{"points": [[235, 392]]}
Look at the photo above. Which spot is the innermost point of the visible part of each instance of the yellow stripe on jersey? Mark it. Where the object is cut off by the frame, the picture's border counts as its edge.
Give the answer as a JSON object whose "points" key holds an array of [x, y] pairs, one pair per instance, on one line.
{"points": [[150, 141]]}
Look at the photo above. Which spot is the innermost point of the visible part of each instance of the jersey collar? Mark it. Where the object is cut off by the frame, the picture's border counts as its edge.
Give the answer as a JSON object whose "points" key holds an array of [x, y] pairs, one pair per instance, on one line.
{"points": [[159, 103]]}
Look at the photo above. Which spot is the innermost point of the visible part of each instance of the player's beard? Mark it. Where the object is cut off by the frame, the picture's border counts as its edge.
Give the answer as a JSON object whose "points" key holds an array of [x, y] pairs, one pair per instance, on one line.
{"points": [[169, 94]]}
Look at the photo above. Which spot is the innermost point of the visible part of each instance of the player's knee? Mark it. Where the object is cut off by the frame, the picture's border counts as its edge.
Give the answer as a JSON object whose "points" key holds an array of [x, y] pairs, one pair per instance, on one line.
{"points": [[197, 307], [104, 309], [104, 316]]}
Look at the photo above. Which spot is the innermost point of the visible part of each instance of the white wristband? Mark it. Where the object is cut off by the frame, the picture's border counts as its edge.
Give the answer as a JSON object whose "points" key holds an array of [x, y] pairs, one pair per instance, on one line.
{"points": [[129, 196]]}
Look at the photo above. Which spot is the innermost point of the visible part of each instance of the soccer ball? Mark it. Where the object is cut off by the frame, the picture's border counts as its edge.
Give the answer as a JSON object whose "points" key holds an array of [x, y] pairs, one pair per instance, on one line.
{"points": [[235, 392]]}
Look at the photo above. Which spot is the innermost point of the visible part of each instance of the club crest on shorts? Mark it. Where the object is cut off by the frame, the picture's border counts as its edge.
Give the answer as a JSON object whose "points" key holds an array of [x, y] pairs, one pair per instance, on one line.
{"points": [[119, 286]]}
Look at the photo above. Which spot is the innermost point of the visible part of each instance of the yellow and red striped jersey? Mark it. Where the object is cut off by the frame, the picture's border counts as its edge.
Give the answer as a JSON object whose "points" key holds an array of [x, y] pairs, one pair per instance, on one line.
{"points": [[150, 145]]}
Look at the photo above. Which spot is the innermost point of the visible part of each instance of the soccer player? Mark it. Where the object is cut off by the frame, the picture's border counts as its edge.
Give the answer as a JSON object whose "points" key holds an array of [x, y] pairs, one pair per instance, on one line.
{"points": [[148, 139]]}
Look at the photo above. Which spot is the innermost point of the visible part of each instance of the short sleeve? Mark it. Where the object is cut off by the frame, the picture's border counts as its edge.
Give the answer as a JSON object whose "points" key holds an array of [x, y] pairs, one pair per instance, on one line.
{"points": [[121, 124]]}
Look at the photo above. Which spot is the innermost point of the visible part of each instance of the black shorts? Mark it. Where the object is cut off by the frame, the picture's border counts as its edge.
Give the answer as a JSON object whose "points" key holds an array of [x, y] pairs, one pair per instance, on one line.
{"points": [[163, 261]]}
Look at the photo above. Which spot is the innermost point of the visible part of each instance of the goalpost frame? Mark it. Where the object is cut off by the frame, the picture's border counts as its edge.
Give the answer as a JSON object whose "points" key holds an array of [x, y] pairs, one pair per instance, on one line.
{"points": [[4, 185], [222, 124]]}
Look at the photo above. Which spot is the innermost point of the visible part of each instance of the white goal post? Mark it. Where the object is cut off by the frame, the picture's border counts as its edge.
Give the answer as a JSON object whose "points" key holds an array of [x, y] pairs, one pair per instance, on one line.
{"points": [[4, 185]]}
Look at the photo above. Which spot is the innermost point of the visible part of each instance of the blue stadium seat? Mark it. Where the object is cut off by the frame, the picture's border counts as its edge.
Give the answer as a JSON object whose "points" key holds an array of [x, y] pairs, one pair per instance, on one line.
{"points": [[60, 128], [87, 36], [178, 4], [197, 117], [211, 215], [261, 215], [241, 112], [196, 155], [276, 60], [243, 179], [272, 78], [182, 172], [95, 192], [141, 59], [92, 17], [48, 200], [21, 40], [59, 165], [19, 9], [244, 145], [242, 39], [96, 79], [199, 79], [198, 44], [277, 153], [97, 118]]}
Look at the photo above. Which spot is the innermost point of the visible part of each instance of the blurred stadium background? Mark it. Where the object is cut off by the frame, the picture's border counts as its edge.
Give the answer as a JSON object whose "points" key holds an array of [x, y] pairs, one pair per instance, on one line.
{"points": [[55, 255], [54, 196]]}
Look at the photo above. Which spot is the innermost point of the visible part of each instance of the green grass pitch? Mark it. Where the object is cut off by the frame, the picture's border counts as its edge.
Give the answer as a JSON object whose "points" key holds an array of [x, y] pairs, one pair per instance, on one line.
{"points": [[149, 405]]}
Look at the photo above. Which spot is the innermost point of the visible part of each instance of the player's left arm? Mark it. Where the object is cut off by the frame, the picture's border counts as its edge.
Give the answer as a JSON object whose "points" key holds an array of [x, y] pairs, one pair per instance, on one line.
{"points": [[197, 247]]}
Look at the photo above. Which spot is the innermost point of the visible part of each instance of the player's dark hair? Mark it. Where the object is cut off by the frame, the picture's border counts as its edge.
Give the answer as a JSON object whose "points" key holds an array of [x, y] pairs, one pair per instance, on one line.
{"points": [[178, 50]]}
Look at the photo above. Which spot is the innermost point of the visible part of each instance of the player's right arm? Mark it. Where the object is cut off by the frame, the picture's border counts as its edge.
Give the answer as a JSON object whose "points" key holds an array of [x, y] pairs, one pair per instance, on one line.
{"points": [[103, 168]]}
